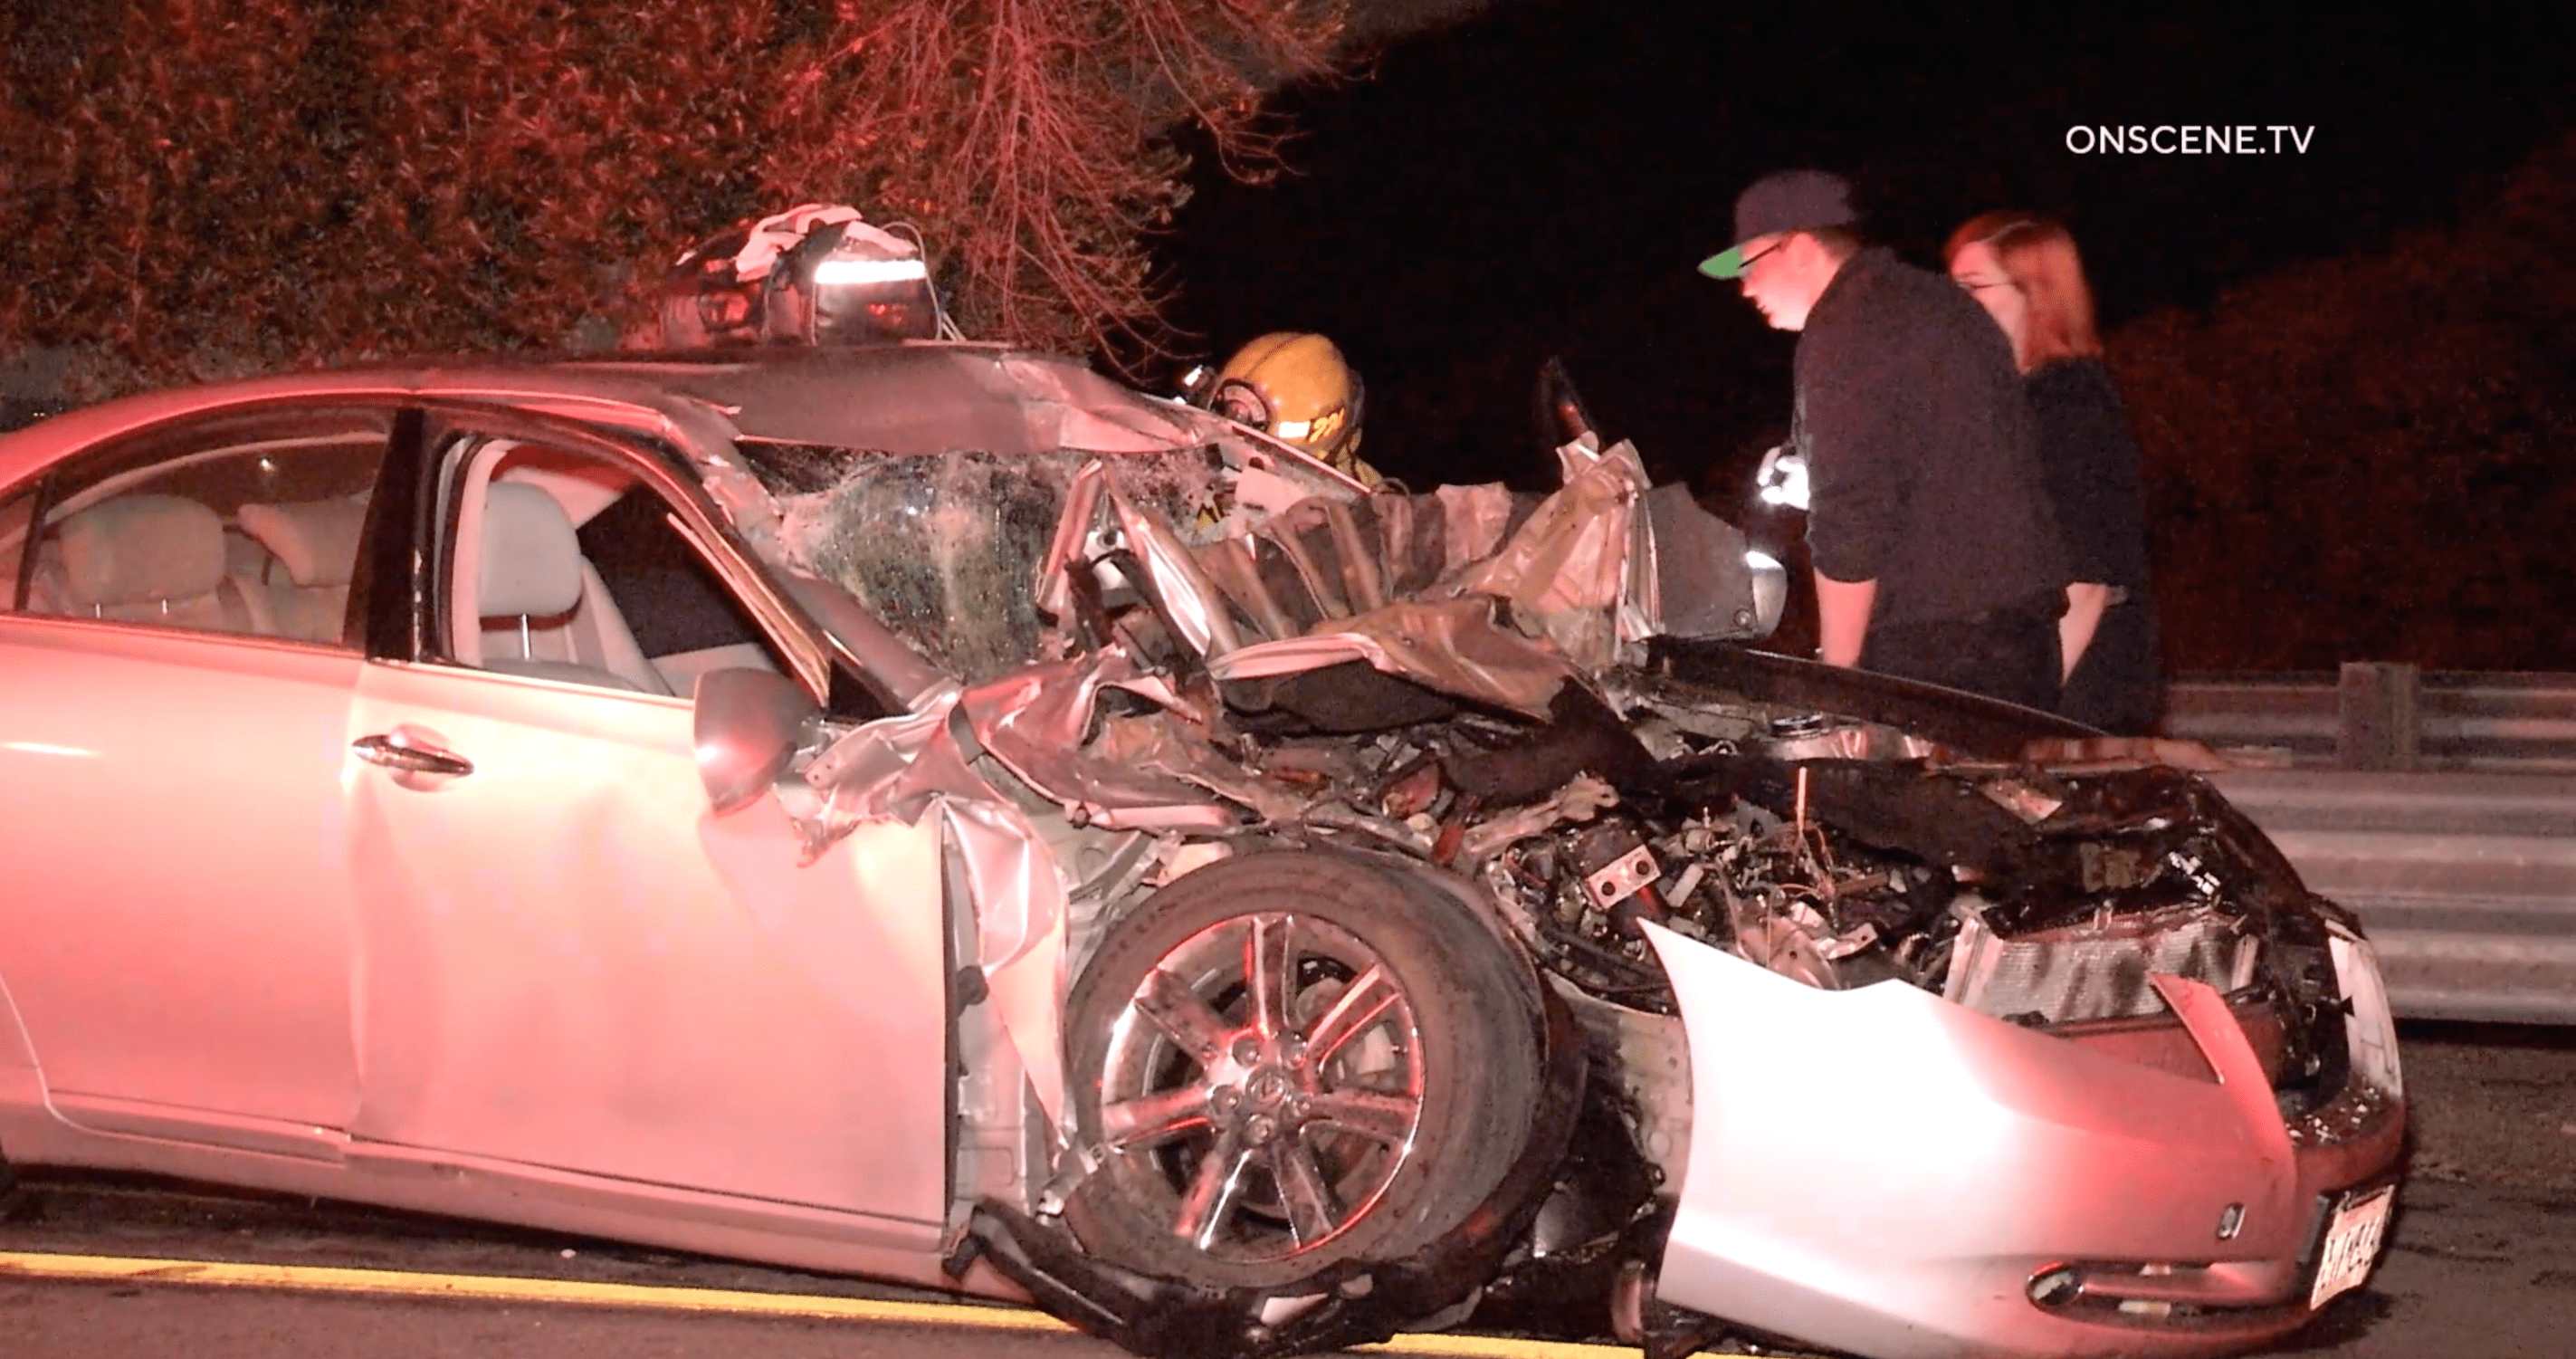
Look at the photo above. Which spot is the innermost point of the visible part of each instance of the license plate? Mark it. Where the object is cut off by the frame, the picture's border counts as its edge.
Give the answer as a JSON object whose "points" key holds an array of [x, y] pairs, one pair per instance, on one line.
{"points": [[2352, 1242]]}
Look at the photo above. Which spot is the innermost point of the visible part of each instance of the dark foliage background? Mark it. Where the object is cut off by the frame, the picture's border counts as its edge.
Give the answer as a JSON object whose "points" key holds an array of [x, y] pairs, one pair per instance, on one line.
{"points": [[2367, 457], [2350, 370], [196, 187]]}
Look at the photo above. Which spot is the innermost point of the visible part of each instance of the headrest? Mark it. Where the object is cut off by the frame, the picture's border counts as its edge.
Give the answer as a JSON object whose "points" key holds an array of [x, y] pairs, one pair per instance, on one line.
{"points": [[136, 549], [531, 560], [243, 556], [315, 540]]}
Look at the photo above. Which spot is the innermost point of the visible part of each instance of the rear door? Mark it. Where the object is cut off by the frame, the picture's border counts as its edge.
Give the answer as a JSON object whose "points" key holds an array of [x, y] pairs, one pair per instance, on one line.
{"points": [[178, 934], [571, 963]]}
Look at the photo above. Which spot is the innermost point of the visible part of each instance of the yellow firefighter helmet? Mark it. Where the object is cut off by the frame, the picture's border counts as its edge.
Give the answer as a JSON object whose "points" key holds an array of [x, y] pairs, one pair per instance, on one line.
{"points": [[1294, 386]]}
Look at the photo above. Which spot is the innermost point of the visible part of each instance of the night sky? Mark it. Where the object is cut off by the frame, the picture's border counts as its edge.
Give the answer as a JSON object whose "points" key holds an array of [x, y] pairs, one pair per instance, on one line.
{"points": [[1544, 180]]}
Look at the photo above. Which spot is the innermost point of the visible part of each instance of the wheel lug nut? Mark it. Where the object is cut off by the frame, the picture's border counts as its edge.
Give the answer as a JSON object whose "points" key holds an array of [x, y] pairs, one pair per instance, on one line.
{"points": [[1247, 1050], [1260, 1130], [1223, 1100]]}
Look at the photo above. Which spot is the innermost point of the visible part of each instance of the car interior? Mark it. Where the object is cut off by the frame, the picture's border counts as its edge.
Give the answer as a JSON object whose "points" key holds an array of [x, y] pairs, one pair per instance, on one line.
{"points": [[255, 538], [533, 529], [568, 568]]}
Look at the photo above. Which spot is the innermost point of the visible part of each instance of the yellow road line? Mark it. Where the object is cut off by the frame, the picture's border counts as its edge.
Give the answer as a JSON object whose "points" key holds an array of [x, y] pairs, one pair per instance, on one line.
{"points": [[491, 1288], [1495, 1347], [398, 1283]]}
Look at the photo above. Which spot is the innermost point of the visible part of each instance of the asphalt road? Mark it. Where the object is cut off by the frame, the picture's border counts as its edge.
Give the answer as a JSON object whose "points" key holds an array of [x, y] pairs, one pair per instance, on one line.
{"points": [[2482, 1262], [209, 1324]]}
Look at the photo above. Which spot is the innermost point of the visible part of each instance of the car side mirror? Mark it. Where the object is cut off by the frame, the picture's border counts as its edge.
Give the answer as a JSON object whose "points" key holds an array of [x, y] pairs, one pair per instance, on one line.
{"points": [[749, 724]]}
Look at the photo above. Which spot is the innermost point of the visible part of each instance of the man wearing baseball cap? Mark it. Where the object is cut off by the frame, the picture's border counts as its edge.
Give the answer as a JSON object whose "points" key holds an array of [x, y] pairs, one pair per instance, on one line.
{"points": [[1936, 554]]}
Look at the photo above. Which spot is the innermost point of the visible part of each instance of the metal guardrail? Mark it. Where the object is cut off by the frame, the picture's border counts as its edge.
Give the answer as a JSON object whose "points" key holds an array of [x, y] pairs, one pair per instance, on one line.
{"points": [[2466, 882], [2386, 717], [2440, 807]]}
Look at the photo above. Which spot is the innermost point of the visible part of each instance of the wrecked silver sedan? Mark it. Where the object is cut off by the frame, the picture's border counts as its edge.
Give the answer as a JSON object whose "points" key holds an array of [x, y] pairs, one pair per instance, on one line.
{"points": [[934, 813]]}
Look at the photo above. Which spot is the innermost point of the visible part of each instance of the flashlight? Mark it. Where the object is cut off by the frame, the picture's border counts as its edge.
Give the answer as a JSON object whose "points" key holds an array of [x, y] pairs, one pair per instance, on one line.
{"points": [[1782, 479]]}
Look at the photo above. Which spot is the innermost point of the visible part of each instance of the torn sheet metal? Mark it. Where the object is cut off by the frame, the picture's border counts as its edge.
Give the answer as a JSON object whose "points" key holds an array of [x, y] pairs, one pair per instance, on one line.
{"points": [[1409, 585], [1581, 799], [1476, 517], [2098, 969], [1264, 492], [1020, 935], [1077, 539], [892, 767], [1568, 568], [1325, 558], [1073, 407], [1166, 745], [1100, 524], [1148, 771], [1190, 600], [908, 767], [1454, 646]]}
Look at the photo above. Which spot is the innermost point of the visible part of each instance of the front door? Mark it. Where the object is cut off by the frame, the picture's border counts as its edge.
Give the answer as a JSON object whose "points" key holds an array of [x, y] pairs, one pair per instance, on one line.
{"points": [[570, 961]]}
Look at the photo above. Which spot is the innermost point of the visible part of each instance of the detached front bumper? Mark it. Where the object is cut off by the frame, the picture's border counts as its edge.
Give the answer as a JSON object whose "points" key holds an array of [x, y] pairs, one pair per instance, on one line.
{"points": [[1884, 1172]]}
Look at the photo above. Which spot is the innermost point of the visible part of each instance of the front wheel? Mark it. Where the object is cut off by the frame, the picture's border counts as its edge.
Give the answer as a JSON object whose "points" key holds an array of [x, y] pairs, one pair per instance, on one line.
{"points": [[1294, 1059]]}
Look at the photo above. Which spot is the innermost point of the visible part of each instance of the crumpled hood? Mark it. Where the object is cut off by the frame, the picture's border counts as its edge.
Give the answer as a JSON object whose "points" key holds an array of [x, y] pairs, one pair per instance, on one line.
{"points": [[1172, 588]]}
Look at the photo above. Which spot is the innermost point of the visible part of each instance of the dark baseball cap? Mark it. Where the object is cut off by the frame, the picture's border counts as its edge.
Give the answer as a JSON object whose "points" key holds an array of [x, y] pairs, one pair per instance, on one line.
{"points": [[1784, 200]]}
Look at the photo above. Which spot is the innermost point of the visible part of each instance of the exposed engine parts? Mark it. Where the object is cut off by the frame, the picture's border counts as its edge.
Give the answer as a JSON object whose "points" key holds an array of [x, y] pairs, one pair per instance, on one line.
{"points": [[1774, 891], [1833, 851]]}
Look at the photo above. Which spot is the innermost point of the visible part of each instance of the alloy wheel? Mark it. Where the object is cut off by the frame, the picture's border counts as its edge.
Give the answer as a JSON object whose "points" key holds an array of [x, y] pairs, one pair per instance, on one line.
{"points": [[1263, 1086]]}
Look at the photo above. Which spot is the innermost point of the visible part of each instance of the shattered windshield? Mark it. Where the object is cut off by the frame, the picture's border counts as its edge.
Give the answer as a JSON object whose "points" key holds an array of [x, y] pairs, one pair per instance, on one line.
{"points": [[945, 548]]}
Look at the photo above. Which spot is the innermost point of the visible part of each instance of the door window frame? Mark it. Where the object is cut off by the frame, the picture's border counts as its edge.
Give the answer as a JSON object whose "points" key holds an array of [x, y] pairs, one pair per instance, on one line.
{"points": [[432, 463], [132, 451]]}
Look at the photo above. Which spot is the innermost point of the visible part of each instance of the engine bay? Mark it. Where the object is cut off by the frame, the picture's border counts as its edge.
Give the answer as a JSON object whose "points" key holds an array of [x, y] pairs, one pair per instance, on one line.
{"points": [[1839, 852]]}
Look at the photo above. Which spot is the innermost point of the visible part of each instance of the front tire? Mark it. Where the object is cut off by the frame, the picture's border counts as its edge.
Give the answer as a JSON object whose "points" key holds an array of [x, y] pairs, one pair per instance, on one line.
{"points": [[1290, 1060]]}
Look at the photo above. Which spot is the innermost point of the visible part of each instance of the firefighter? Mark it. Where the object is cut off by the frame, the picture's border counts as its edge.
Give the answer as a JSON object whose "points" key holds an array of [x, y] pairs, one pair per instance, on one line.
{"points": [[1294, 386]]}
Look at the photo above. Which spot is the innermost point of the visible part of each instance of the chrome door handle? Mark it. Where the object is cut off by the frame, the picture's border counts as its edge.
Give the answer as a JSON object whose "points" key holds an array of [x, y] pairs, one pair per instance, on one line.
{"points": [[392, 754]]}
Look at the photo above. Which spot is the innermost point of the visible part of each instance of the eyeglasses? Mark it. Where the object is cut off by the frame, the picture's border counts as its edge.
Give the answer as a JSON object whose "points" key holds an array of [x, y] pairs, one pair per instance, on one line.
{"points": [[1747, 266]]}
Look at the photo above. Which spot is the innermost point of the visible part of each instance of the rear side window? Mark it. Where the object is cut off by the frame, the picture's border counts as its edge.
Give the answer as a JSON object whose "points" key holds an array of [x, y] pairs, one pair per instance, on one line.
{"points": [[243, 524]]}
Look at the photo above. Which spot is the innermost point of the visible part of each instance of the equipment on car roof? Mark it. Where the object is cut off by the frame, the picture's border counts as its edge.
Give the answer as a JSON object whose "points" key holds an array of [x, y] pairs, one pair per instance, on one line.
{"points": [[816, 274]]}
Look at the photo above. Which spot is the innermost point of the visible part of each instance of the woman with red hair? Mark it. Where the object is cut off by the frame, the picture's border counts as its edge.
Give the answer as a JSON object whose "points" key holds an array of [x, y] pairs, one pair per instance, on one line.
{"points": [[2024, 270]]}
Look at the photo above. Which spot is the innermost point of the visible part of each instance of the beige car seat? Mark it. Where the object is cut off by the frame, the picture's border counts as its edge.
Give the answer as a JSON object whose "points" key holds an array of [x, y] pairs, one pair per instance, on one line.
{"points": [[146, 558], [314, 546], [544, 611]]}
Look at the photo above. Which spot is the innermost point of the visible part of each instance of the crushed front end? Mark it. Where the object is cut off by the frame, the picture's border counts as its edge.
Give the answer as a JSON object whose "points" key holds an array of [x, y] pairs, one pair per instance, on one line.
{"points": [[1899, 1048], [1867, 1024], [1985, 1056]]}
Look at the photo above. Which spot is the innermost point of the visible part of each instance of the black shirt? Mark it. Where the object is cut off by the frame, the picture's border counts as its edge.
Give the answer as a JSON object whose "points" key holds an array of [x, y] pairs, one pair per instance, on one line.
{"points": [[1922, 455], [2090, 462]]}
